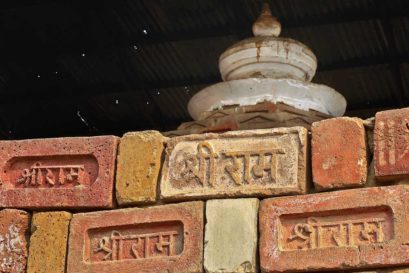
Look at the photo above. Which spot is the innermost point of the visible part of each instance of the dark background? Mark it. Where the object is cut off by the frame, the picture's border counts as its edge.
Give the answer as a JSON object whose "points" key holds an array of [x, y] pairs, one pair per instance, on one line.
{"points": [[91, 67]]}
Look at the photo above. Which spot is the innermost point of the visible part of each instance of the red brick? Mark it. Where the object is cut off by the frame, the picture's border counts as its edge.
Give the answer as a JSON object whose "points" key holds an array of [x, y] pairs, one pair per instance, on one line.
{"points": [[116, 241], [58, 173], [14, 233], [338, 153], [391, 137], [350, 229]]}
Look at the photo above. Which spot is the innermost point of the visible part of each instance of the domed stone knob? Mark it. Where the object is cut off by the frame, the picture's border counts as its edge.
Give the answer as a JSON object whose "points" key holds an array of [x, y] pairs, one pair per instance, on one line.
{"points": [[266, 24]]}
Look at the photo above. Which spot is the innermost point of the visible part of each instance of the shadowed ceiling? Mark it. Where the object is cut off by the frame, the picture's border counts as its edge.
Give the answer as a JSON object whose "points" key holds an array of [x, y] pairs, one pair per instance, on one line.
{"points": [[109, 66]]}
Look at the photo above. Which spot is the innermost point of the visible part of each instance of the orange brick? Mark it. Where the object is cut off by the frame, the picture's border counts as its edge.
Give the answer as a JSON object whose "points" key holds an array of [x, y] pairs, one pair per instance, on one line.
{"points": [[160, 239], [73, 172], [48, 242], [391, 139], [350, 229], [339, 158], [138, 167]]}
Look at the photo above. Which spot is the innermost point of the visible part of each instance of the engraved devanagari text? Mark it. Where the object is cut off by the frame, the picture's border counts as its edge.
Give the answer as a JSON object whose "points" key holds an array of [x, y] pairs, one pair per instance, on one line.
{"points": [[135, 242], [51, 175], [50, 172], [209, 167], [142, 246], [336, 231]]}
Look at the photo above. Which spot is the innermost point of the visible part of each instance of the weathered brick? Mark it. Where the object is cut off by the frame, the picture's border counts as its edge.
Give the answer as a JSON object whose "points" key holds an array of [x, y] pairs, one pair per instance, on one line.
{"points": [[339, 157], [14, 232], [159, 239], [391, 138], [233, 164], [48, 242], [75, 172], [138, 167], [350, 229], [231, 236], [386, 270]]}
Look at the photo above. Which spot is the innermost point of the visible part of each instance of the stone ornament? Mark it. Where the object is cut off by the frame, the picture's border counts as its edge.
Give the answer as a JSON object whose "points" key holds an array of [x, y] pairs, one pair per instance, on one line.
{"points": [[266, 55], [268, 68]]}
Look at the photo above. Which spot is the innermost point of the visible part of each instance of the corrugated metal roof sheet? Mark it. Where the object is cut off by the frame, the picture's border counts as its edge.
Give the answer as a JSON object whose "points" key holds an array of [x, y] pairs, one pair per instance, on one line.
{"points": [[128, 65]]}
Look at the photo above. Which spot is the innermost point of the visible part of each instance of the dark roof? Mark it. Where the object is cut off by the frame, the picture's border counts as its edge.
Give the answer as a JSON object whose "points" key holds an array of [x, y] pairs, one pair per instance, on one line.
{"points": [[93, 67]]}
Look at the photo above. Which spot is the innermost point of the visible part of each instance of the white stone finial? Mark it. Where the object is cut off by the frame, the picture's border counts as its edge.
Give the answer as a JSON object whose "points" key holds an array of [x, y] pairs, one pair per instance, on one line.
{"points": [[266, 24]]}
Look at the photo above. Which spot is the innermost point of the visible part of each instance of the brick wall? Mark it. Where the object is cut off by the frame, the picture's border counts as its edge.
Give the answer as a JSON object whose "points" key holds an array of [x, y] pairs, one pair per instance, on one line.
{"points": [[335, 198]]}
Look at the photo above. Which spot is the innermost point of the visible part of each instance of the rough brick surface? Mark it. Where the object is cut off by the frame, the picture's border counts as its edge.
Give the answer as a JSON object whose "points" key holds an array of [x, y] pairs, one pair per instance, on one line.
{"points": [[351, 229], [386, 270], [48, 242], [138, 167], [159, 239], [58, 173], [391, 138], [231, 236], [14, 232], [339, 157], [234, 164]]}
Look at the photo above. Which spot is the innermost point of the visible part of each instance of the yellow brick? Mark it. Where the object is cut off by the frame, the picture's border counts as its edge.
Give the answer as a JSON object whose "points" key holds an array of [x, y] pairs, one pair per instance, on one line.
{"points": [[48, 242], [138, 167]]}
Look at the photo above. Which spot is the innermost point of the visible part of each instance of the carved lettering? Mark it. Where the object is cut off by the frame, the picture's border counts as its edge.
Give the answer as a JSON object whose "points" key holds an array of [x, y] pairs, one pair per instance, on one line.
{"points": [[310, 235], [198, 166], [142, 246], [247, 163], [258, 170], [336, 231], [51, 175], [135, 242], [388, 146], [55, 171], [205, 165]]}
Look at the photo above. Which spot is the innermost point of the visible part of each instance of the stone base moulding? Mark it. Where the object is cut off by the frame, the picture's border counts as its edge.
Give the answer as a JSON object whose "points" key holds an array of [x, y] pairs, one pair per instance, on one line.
{"points": [[159, 239], [72, 172], [253, 163], [344, 230]]}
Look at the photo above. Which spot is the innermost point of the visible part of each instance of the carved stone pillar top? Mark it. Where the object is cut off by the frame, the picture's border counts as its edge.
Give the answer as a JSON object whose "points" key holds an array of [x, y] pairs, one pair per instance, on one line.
{"points": [[266, 24], [268, 68], [266, 55]]}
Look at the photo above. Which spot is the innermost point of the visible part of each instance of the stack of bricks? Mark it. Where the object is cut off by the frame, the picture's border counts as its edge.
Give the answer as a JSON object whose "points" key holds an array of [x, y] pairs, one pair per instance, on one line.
{"points": [[273, 200]]}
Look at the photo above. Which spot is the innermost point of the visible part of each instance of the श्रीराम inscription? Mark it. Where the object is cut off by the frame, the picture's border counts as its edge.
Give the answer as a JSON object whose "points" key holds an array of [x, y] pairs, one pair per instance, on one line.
{"points": [[343, 230], [135, 242], [262, 162], [75, 172], [137, 246], [314, 234], [202, 166], [357, 228], [51, 175], [152, 239], [55, 171]]}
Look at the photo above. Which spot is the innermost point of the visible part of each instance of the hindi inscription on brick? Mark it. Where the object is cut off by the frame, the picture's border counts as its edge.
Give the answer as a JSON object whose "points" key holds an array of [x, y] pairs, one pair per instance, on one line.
{"points": [[73, 172], [166, 238], [244, 163], [350, 229]]}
